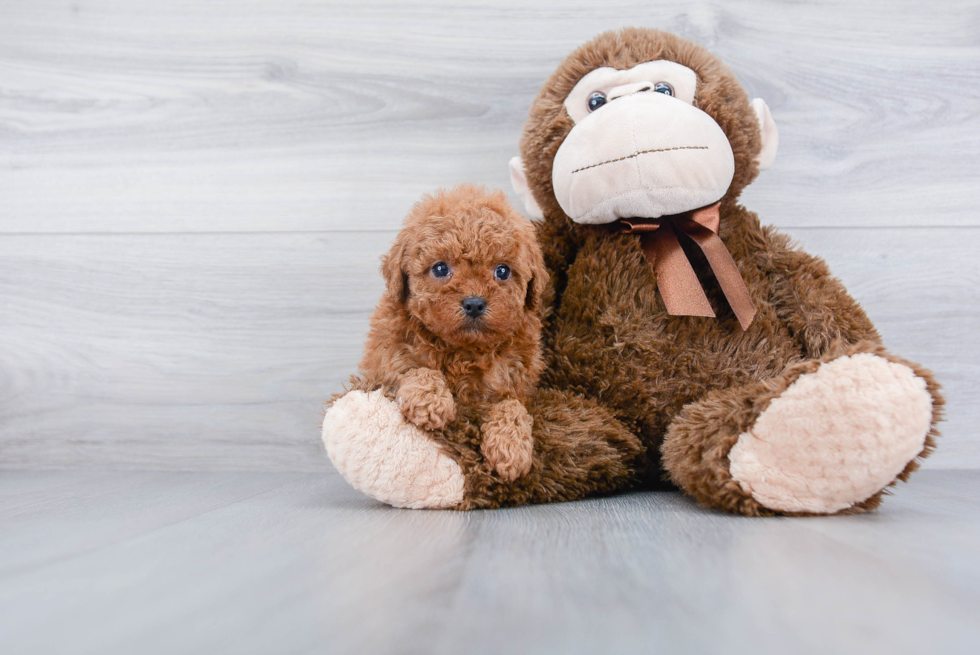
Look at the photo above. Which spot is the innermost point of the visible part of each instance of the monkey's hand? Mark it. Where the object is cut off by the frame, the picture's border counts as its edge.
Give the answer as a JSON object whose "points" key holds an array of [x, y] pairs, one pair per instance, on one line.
{"points": [[425, 399], [507, 443]]}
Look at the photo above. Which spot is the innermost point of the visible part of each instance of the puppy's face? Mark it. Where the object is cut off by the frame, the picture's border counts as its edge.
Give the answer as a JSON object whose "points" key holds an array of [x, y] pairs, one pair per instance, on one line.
{"points": [[468, 267]]}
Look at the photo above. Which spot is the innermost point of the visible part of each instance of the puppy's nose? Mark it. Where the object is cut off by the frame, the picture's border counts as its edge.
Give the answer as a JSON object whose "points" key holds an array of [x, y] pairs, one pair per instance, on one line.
{"points": [[474, 306]]}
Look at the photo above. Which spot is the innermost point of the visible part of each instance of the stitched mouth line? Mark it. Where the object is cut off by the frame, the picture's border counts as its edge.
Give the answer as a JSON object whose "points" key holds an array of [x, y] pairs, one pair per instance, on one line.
{"points": [[637, 154]]}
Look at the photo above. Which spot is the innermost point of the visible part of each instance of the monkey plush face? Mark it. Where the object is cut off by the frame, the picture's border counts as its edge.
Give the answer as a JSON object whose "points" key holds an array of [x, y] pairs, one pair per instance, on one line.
{"points": [[624, 135], [639, 146]]}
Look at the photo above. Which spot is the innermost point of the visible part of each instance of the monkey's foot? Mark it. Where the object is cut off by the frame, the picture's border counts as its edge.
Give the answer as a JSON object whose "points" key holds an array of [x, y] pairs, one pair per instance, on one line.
{"points": [[382, 455], [834, 437]]}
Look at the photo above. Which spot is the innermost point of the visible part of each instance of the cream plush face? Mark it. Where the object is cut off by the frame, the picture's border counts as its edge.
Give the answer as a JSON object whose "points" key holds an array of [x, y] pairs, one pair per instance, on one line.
{"points": [[640, 148], [642, 152]]}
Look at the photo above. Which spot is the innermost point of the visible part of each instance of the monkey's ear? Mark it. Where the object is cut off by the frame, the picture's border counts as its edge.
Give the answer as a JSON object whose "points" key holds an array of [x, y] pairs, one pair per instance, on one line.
{"points": [[519, 181], [396, 279], [769, 133]]}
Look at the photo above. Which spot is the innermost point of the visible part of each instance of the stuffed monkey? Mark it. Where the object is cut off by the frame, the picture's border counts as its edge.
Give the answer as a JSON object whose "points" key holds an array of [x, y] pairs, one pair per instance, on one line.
{"points": [[684, 342]]}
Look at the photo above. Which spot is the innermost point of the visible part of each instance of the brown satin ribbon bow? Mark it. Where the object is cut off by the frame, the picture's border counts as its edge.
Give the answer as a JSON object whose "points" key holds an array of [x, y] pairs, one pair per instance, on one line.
{"points": [[678, 283]]}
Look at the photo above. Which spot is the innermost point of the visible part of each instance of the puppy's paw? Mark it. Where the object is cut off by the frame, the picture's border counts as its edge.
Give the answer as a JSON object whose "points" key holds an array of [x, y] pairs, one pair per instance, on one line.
{"points": [[507, 442], [432, 413], [426, 400]]}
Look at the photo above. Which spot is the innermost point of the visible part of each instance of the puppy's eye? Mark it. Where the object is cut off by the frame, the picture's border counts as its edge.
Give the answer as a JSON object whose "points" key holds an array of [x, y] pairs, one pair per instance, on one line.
{"points": [[597, 100], [440, 270], [664, 88], [502, 272]]}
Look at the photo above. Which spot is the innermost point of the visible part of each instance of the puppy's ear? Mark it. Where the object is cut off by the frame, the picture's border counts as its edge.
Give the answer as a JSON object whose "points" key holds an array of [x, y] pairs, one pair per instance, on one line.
{"points": [[393, 270], [539, 275]]}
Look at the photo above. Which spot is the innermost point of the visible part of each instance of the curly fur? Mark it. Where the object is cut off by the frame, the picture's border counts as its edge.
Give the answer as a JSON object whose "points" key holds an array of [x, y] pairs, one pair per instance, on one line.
{"points": [[631, 395], [423, 349], [426, 399], [507, 440]]}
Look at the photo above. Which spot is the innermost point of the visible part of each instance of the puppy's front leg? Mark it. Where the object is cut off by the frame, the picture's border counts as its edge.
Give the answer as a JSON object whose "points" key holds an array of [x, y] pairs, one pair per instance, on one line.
{"points": [[425, 399], [507, 442]]}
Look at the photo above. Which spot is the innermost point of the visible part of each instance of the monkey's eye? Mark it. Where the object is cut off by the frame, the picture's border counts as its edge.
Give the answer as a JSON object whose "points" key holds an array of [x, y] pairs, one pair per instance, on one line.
{"points": [[440, 270], [502, 272], [596, 100], [664, 88]]}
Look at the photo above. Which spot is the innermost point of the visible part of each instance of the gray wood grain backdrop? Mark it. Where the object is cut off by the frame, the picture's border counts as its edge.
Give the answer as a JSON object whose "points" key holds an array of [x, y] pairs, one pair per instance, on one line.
{"points": [[194, 195]]}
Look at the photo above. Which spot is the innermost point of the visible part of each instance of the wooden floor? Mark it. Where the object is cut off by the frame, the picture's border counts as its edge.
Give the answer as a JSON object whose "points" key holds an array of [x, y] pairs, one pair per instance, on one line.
{"points": [[165, 562]]}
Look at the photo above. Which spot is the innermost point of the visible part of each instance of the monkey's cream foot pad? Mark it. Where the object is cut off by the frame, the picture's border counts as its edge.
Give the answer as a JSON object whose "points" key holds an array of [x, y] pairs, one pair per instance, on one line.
{"points": [[382, 455], [835, 437]]}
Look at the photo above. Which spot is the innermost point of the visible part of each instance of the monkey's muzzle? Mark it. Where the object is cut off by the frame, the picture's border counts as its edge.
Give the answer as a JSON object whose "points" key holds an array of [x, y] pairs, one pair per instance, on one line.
{"points": [[646, 155]]}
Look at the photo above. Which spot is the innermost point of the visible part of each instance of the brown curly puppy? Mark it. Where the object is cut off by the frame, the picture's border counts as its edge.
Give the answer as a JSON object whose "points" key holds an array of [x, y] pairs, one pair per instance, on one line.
{"points": [[459, 321]]}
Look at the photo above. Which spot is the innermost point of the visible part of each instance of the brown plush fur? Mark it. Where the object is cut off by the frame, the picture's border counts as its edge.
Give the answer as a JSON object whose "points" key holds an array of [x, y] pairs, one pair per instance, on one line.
{"points": [[631, 395], [580, 450], [424, 349], [718, 94], [698, 457], [696, 383]]}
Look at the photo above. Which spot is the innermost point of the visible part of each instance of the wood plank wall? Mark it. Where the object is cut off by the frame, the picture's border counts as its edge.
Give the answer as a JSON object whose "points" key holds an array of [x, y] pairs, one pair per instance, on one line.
{"points": [[194, 195]]}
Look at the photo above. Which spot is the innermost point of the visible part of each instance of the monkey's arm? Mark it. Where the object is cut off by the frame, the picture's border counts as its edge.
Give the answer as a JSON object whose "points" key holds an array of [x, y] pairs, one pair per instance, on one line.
{"points": [[811, 302]]}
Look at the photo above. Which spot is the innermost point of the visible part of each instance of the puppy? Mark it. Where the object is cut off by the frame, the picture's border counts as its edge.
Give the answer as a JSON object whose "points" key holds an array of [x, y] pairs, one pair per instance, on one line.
{"points": [[459, 321]]}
